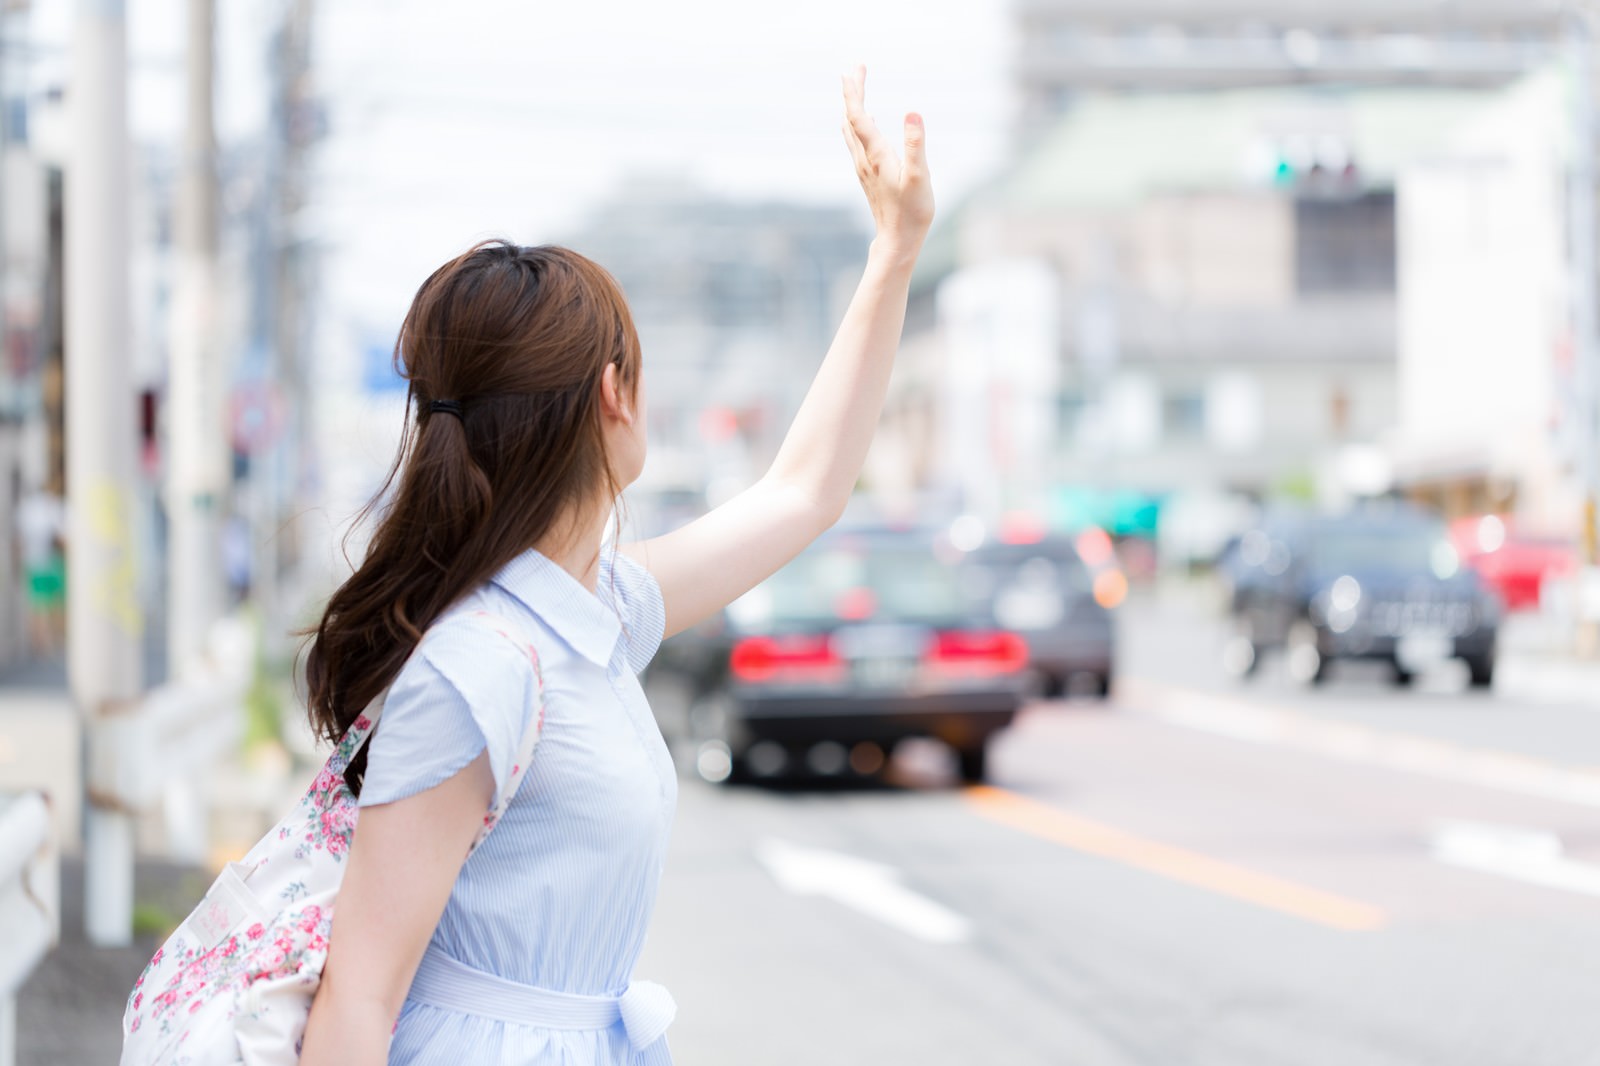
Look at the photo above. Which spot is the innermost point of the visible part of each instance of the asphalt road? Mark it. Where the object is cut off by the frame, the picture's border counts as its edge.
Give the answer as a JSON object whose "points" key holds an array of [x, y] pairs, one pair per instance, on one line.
{"points": [[1201, 873]]}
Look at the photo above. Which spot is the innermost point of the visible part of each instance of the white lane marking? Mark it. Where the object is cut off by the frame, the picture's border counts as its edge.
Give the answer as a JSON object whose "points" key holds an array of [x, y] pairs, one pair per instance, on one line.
{"points": [[870, 888], [1253, 723], [1532, 856]]}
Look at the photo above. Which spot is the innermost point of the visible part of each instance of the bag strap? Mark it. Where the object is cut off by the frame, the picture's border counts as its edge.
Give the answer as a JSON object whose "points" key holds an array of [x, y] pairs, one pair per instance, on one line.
{"points": [[356, 735], [530, 732], [367, 721]]}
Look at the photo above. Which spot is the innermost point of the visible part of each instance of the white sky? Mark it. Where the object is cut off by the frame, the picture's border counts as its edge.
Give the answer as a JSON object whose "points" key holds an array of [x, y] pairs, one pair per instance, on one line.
{"points": [[451, 120], [455, 120]]}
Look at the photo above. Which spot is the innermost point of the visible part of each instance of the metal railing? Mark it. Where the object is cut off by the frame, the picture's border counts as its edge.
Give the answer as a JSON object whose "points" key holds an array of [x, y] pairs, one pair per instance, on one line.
{"points": [[30, 902], [154, 754]]}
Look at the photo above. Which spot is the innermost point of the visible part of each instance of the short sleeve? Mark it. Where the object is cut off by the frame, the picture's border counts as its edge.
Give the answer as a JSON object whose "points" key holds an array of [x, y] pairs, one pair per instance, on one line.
{"points": [[470, 685], [638, 600]]}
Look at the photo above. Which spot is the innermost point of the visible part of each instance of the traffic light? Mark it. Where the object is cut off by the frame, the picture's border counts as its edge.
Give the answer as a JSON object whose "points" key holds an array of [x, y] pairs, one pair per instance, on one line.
{"points": [[1322, 163]]}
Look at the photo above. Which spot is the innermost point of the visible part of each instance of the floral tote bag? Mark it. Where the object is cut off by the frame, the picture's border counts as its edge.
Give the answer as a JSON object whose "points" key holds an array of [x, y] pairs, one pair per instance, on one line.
{"points": [[233, 984]]}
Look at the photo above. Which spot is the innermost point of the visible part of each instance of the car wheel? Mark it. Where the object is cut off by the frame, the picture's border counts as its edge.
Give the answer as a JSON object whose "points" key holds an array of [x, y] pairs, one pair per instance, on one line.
{"points": [[974, 764], [1102, 686], [1052, 686], [1480, 669], [1307, 664], [715, 763], [1403, 677], [1240, 656], [716, 759]]}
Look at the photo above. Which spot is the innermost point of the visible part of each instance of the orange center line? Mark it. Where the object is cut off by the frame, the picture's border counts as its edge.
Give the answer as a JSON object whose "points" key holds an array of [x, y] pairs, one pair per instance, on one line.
{"points": [[1178, 864]]}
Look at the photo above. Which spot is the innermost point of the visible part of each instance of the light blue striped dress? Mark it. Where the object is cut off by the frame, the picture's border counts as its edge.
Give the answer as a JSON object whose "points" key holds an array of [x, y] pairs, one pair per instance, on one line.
{"points": [[560, 894]]}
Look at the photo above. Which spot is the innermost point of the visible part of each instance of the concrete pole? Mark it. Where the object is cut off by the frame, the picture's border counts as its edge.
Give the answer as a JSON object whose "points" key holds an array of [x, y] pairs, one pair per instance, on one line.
{"points": [[104, 621], [1585, 330], [196, 471], [280, 573]]}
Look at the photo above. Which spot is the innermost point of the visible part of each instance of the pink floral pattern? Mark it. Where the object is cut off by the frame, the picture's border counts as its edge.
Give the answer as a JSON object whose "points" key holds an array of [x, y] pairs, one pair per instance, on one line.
{"points": [[298, 939], [210, 989], [327, 813]]}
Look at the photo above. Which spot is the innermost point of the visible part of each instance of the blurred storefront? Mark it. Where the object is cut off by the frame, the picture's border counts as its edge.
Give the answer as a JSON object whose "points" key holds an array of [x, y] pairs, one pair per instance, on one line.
{"points": [[1222, 310]]}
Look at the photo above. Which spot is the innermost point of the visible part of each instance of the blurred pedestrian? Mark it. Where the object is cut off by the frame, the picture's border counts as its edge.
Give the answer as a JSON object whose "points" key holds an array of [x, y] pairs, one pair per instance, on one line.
{"points": [[236, 557], [488, 605], [41, 534]]}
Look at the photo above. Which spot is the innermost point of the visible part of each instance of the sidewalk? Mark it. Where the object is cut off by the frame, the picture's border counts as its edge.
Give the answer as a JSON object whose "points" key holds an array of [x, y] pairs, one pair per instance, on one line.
{"points": [[1537, 662], [70, 1008], [69, 1012]]}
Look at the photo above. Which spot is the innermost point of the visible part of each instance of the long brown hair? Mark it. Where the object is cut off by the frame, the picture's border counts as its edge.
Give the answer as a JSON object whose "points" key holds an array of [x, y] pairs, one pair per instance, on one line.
{"points": [[519, 338]]}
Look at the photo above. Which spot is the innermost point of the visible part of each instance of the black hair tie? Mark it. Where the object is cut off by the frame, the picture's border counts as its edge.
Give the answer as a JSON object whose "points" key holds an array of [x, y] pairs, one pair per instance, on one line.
{"points": [[449, 407]]}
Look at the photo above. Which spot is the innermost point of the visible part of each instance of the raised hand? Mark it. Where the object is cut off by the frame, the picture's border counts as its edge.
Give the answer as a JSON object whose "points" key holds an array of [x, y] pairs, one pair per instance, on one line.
{"points": [[898, 190]]}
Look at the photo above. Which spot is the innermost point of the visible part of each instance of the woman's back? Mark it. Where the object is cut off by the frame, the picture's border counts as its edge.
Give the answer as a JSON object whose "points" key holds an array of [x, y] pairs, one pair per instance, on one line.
{"points": [[560, 895]]}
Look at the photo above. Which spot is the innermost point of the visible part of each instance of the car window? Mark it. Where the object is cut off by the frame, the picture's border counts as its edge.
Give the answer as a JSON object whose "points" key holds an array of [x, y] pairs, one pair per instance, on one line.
{"points": [[856, 581], [1045, 567], [1405, 548]]}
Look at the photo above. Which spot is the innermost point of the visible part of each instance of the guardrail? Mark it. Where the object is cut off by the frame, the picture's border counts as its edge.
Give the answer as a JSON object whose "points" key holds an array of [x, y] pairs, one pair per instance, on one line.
{"points": [[155, 752], [30, 902]]}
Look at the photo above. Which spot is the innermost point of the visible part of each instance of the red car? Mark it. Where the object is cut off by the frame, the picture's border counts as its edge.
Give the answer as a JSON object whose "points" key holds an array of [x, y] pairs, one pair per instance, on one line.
{"points": [[1514, 566]]}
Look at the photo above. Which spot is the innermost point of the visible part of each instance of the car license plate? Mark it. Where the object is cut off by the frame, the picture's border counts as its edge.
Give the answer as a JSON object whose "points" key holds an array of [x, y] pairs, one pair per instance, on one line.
{"points": [[884, 673], [1028, 608], [1423, 649]]}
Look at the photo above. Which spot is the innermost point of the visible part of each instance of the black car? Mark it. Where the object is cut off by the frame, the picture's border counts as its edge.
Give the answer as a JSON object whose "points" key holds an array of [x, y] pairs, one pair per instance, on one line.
{"points": [[1379, 582], [1041, 590], [869, 637]]}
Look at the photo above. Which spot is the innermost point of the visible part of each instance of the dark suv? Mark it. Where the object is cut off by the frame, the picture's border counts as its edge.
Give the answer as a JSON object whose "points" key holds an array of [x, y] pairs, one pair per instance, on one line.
{"points": [[1377, 582]]}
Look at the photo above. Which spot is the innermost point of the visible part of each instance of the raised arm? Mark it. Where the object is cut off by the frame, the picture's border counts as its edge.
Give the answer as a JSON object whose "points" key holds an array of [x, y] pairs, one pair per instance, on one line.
{"points": [[713, 560]]}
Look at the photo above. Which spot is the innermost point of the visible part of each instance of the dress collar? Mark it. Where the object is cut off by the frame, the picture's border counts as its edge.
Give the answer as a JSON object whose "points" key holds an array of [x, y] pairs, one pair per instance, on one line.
{"points": [[578, 616]]}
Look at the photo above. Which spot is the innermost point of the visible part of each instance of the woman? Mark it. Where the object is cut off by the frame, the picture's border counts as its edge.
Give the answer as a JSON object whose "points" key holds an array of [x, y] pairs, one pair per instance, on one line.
{"points": [[531, 419]]}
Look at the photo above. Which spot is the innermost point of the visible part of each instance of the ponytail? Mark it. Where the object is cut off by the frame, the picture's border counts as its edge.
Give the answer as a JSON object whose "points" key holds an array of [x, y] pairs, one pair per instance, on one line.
{"points": [[504, 348]]}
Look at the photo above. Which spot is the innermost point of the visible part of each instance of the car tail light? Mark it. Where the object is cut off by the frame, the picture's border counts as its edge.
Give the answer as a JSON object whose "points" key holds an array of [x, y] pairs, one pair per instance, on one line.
{"points": [[1094, 547], [1020, 527], [1110, 588], [856, 604], [785, 658], [978, 654]]}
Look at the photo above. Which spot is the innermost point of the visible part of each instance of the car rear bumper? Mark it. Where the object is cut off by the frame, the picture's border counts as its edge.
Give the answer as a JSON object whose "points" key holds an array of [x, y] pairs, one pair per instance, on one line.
{"points": [[1080, 649], [1357, 645], [959, 718]]}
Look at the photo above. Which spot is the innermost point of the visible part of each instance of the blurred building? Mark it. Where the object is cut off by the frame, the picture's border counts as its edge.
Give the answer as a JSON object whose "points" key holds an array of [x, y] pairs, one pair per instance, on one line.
{"points": [[262, 307], [736, 304], [1071, 48], [1487, 419], [1222, 303]]}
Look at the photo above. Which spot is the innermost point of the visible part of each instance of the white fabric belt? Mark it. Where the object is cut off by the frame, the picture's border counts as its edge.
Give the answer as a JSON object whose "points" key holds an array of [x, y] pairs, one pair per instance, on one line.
{"points": [[645, 1009]]}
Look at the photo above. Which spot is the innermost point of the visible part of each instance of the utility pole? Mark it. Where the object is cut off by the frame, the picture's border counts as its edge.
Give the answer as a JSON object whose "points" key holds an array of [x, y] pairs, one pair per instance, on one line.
{"points": [[1584, 281], [196, 471], [104, 621], [285, 462]]}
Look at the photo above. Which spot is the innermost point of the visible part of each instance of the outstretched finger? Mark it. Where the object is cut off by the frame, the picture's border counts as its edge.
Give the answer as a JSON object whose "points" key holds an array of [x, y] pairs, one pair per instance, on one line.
{"points": [[858, 154], [855, 91], [916, 145], [866, 130]]}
